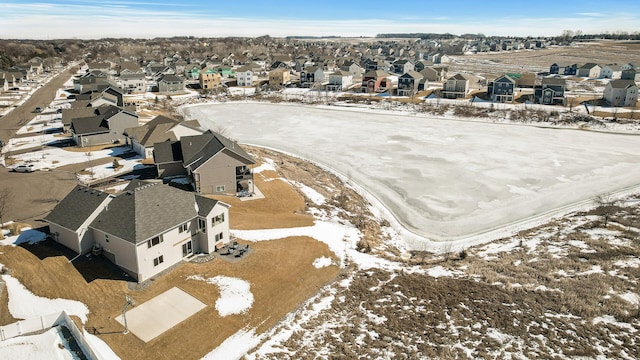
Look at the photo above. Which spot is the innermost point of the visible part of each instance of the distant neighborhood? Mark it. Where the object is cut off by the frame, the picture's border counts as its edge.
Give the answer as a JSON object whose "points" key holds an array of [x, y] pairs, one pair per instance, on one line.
{"points": [[101, 109]]}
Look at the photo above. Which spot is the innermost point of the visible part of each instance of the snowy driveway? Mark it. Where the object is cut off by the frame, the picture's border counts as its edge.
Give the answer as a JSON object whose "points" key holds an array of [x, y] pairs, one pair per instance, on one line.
{"points": [[442, 179]]}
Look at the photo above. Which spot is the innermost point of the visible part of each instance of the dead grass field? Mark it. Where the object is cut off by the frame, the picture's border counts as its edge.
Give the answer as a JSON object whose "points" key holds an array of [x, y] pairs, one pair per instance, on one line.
{"points": [[492, 65], [552, 292], [280, 272]]}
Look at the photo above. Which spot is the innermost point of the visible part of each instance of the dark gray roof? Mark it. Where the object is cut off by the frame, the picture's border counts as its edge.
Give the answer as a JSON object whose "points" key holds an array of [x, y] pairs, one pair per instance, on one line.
{"points": [[505, 78], [76, 207], [205, 205], [166, 152], [622, 84], [96, 123], [198, 149], [89, 125], [169, 78], [147, 210]]}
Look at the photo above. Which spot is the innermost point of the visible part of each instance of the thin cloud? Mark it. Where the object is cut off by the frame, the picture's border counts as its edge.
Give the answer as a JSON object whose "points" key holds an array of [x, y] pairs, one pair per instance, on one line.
{"points": [[92, 19], [592, 14]]}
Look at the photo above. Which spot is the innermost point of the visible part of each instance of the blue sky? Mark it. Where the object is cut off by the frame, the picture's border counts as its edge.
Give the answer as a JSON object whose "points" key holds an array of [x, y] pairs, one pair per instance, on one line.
{"points": [[151, 18]]}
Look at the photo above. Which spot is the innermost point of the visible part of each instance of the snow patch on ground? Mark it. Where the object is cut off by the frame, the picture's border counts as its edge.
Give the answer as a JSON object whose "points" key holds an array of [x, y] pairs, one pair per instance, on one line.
{"points": [[27, 236], [310, 193], [439, 271], [235, 346], [267, 165], [235, 294], [41, 346], [24, 304], [321, 262], [100, 346], [609, 319], [631, 297]]}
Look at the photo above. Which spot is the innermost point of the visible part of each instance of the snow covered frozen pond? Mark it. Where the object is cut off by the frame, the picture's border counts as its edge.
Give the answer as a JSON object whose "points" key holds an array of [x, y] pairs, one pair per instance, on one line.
{"points": [[443, 179]]}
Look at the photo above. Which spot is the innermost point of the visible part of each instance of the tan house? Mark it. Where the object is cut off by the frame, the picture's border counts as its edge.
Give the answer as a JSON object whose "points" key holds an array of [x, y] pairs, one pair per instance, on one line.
{"points": [[213, 163], [279, 77], [209, 78], [159, 129], [460, 85], [144, 230]]}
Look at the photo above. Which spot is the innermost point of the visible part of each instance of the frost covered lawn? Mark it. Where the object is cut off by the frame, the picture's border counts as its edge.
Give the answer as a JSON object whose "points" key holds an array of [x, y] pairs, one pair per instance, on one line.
{"points": [[442, 178]]}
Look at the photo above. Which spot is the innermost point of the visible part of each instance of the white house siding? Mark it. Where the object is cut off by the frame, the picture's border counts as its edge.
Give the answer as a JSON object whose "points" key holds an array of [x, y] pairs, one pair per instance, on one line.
{"points": [[65, 237], [245, 78], [621, 96], [138, 148], [170, 248], [119, 251], [82, 240], [221, 228], [631, 96]]}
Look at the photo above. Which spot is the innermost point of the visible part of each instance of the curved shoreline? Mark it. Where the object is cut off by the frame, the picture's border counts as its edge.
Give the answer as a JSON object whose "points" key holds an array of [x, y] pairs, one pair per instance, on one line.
{"points": [[417, 241]]}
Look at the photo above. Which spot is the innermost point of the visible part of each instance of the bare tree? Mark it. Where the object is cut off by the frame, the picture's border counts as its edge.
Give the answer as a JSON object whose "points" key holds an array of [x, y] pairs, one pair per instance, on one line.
{"points": [[5, 195], [606, 206]]}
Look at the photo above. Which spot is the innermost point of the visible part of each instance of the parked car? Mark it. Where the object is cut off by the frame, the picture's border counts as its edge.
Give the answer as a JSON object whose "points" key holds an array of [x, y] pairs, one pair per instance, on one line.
{"points": [[38, 109], [25, 168]]}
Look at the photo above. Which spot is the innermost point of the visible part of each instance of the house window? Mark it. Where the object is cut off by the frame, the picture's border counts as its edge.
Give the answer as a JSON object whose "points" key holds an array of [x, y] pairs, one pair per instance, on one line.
{"points": [[153, 242], [159, 260], [106, 238], [218, 219], [184, 227], [219, 236], [220, 188], [202, 225]]}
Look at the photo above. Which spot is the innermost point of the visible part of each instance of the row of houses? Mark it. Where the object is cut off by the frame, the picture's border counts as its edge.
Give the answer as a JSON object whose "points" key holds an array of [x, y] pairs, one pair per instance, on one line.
{"points": [[149, 226], [551, 91], [626, 71], [16, 75]]}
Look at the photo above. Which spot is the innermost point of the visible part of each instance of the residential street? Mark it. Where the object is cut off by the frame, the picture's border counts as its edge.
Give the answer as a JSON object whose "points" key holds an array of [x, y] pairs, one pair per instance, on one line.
{"points": [[33, 195]]}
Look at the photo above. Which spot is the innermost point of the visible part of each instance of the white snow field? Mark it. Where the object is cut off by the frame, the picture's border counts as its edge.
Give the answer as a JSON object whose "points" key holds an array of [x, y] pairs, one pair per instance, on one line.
{"points": [[443, 178]]}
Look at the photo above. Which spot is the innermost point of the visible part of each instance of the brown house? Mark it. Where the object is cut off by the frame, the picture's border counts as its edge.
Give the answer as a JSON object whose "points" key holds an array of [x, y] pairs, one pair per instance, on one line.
{"points": [[213, 163], [374, 81], [279, 77]]}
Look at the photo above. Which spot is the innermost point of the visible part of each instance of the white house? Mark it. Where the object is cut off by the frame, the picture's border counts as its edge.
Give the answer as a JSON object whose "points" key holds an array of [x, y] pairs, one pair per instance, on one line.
{"points": [[143, 230], [245, 76], [339, 80], [611, 71], [621, 93]]}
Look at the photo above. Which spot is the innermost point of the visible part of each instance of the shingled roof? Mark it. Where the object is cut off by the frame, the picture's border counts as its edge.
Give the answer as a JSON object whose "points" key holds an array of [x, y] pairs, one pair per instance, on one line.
{"points": [[167, 152], [155, 131], [145, 210], [76, 207], [198, 149]]}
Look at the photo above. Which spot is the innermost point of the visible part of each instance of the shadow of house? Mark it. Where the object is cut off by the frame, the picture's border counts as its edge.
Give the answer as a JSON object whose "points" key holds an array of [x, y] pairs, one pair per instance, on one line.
{"points": [[90, 268]]}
